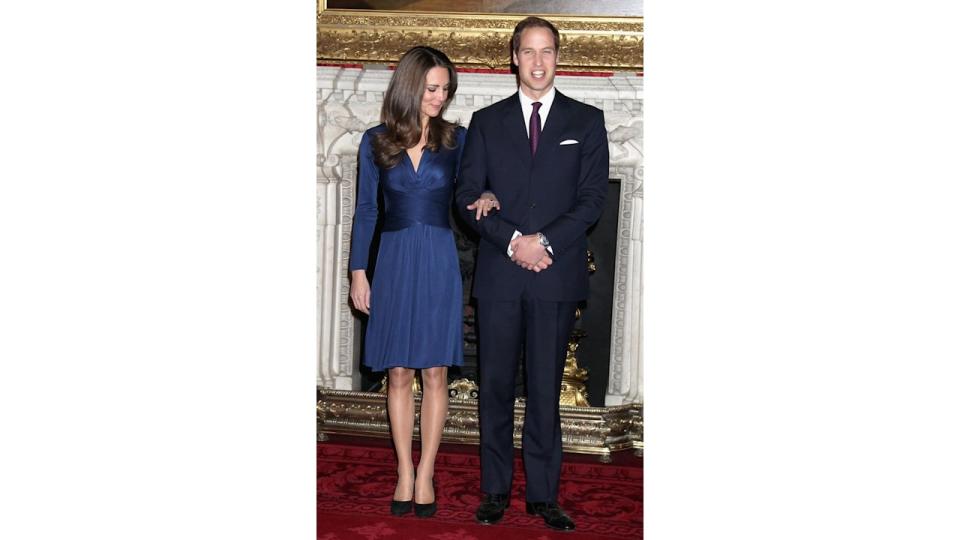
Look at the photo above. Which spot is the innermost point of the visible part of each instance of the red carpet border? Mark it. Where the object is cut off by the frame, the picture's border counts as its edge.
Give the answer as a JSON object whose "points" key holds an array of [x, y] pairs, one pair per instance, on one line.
{"points": [[355, 484]]}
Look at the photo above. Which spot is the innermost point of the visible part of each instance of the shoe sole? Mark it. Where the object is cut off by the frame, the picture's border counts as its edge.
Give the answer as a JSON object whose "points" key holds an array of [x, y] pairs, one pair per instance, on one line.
{"points": [[493, 522]]}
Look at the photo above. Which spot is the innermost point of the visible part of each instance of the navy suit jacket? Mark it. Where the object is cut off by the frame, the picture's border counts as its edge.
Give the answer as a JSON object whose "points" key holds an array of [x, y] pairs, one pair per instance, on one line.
{"points": [[559, 192]]}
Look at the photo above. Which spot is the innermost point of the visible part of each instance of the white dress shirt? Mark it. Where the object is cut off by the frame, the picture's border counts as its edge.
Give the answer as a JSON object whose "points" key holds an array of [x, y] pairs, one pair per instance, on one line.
{"points": [[526, 105]]}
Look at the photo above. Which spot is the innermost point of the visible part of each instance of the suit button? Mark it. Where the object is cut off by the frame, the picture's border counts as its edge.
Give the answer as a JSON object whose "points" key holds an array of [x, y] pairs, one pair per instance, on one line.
{"points": [[533, 205]]}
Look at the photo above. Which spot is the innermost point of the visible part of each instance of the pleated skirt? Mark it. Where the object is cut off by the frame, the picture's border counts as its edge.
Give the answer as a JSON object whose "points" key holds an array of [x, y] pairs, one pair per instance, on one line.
{"points": [[416, 301]]}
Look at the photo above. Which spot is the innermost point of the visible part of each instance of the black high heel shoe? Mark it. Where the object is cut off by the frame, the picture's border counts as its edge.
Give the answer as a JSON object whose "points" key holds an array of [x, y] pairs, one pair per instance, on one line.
{"points": [[426, 510], [399, 508]]}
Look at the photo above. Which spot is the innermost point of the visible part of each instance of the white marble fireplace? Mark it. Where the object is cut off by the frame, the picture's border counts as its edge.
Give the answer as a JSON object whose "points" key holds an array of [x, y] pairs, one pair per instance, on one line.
{"points": [[348, 102]]}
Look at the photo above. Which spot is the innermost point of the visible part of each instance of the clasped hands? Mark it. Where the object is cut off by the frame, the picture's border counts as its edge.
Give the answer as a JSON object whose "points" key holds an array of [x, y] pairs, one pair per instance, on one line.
{"points": [[529, 254], [527, 251]]}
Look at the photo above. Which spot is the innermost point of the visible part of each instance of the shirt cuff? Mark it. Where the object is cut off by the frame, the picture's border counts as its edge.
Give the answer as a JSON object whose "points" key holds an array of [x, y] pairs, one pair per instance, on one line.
{"points": [[516, 233]]}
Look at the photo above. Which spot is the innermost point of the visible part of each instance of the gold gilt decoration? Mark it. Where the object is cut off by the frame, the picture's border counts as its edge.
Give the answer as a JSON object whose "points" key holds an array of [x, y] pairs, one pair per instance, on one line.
{"points": [[459, 389], [573, 386], [464, 389], [474, 40], [586, 430], [417, 389]]}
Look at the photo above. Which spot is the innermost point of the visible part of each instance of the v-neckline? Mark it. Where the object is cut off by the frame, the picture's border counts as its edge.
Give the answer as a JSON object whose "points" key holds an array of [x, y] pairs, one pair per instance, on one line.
{"points": [[416, 168]]}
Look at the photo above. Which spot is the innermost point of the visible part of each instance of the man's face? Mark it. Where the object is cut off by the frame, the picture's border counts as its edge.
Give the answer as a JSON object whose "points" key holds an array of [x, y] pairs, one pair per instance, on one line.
{"points": [[536, 61]]}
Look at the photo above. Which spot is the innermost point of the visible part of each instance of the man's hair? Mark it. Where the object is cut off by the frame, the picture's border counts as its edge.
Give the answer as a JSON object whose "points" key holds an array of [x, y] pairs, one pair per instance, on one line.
{"points": [[533, 22]]}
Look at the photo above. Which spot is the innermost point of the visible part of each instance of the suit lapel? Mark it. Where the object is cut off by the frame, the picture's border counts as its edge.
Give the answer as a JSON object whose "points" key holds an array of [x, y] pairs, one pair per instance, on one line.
{"points": [[516, 133], [555, 125]]}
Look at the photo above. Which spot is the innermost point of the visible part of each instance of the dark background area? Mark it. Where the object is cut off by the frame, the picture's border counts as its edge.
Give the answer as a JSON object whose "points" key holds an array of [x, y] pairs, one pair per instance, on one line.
{"points": [[597, 312]]}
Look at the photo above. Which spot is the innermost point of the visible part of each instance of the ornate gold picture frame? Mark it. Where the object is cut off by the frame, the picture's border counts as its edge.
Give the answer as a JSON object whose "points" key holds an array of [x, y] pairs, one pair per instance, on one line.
{"points": [[478, 40]]}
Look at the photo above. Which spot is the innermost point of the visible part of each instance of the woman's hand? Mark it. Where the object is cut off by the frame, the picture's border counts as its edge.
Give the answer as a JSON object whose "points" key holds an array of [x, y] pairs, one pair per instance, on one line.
{"points": [[360, 291], [484, 204]]}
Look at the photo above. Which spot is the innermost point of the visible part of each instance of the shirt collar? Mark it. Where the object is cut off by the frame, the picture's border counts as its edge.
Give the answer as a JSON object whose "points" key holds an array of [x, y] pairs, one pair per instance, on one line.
{"points": [[546, 100]]}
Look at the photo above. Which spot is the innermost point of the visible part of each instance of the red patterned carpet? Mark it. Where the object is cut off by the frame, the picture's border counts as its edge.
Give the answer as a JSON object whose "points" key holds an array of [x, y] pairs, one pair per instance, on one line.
{"points": [[356, 477]]}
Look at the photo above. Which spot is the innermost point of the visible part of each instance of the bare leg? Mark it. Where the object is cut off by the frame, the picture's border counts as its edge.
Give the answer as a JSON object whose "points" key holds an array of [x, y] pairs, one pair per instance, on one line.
{"points": [[400, 411], [433, 415]]}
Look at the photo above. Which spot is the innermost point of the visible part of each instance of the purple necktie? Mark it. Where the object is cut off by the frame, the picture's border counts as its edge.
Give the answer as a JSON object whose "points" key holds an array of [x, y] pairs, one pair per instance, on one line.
{"points": [[535, 128]]}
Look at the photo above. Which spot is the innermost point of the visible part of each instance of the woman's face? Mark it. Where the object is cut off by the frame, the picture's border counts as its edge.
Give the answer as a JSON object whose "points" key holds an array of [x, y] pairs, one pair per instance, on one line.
{"points": [[434, 93]]}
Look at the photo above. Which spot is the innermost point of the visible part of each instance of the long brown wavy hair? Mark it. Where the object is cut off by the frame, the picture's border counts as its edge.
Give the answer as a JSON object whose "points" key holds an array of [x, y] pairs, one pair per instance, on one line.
{"points": [[401, 108]]}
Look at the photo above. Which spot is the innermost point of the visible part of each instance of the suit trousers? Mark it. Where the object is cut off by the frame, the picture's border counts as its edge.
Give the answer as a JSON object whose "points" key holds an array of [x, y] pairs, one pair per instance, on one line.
{"points": [[542, 329]]}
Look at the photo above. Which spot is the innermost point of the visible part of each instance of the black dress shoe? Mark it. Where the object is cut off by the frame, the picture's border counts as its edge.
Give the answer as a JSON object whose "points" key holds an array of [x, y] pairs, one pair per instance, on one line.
{"points": [[399, 508], [425, 510], [552, 515], [492, 507]]}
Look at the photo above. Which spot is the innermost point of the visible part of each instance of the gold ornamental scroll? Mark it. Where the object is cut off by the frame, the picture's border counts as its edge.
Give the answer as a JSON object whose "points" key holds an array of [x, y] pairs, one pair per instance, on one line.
{"points": [[477, 40]]}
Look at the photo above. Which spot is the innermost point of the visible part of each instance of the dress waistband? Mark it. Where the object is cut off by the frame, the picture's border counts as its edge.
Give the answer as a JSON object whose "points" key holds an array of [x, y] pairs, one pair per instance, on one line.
{"points": [[403, 209]]}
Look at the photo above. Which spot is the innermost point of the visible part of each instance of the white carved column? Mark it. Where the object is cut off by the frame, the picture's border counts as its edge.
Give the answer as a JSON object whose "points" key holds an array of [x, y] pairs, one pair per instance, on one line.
{"points": [[337, 145], [349, 101], [625, 382]]}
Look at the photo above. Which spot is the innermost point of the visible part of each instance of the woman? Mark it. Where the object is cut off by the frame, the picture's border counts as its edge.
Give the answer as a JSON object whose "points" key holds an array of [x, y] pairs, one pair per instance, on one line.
{"points": [[415, 305]]}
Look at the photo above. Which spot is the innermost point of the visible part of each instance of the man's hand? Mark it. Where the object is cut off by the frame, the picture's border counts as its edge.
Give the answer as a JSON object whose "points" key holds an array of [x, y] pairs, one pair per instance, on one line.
{"points": [[529, 254]]}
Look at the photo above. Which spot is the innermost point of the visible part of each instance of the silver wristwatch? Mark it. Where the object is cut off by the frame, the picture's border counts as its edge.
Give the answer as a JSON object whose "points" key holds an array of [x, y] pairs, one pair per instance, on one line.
{"points": [[543, 240]]}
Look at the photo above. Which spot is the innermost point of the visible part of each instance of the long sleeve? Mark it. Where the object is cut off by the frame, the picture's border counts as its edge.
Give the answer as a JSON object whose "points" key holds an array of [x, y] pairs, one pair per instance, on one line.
{"points": [[472, 182], [365, 217], [591, 191]]}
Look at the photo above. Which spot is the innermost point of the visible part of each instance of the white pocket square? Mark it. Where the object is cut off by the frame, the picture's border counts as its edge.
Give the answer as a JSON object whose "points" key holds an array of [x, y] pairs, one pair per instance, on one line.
{"points": [[570, 141]]}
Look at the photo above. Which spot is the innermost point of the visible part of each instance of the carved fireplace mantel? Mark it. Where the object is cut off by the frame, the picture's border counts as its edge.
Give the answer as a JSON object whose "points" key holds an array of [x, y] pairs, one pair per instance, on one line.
{"points": [[348, 103]]}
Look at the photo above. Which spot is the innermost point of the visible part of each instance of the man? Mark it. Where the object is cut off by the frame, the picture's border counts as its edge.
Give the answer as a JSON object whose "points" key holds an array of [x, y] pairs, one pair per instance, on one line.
{"points": [[546, 159]]}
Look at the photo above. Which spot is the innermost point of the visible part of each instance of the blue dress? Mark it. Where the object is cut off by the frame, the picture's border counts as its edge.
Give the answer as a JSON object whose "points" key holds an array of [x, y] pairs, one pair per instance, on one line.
{"points": [[416, 298]]}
